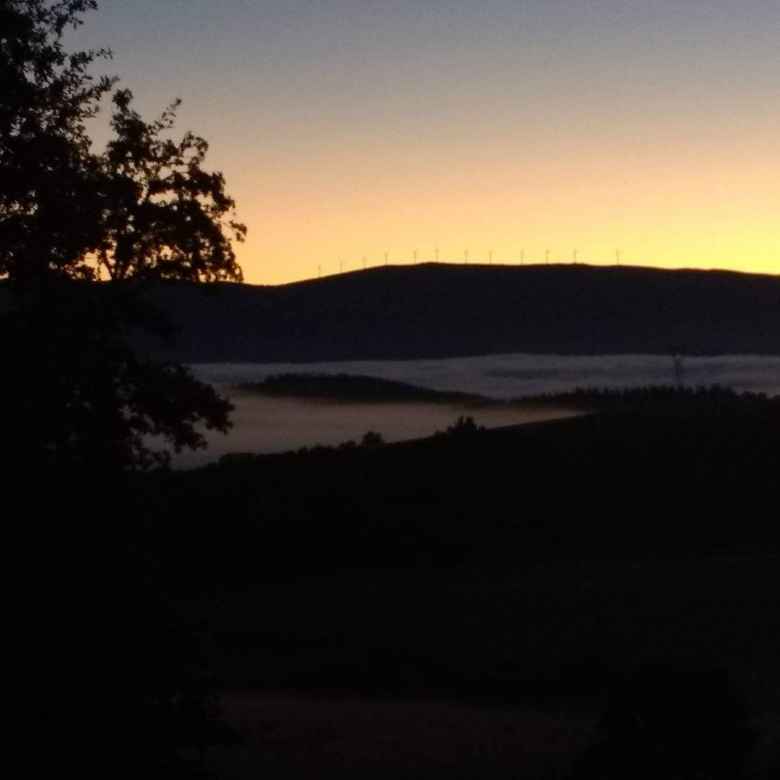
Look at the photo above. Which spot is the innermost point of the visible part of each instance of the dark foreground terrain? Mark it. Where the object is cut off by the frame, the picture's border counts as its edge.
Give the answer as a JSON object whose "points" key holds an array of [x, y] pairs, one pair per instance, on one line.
{"points": [[489, 603]]}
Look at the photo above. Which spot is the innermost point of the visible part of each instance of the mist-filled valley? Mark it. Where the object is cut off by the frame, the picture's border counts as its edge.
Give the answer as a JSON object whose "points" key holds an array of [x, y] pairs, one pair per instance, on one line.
{"points": [[277, 424]]}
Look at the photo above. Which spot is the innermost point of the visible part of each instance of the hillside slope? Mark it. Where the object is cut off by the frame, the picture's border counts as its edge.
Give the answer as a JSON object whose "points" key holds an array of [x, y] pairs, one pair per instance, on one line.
{"points": [[437, 310]]}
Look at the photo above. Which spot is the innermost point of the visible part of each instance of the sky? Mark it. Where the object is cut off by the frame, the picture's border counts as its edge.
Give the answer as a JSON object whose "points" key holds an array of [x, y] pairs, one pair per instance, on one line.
{"points": [[353, 130]]}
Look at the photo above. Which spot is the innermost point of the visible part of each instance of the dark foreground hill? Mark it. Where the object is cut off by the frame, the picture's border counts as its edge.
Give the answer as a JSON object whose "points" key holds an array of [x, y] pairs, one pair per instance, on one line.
{"points": [[618, 568], [445, 311], [489, 563]]}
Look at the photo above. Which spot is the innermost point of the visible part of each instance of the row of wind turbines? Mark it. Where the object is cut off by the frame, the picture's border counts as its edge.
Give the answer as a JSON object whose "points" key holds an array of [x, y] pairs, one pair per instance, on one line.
{"points": [[465, 259]]}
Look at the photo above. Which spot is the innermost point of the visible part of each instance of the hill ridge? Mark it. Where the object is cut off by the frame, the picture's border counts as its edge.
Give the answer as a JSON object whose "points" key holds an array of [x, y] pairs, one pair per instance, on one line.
{"points": [[435, 310]]}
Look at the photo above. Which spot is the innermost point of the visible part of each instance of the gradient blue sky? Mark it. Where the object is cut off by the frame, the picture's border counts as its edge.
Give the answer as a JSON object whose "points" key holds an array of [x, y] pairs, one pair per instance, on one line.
{"points": [[351, 128]]}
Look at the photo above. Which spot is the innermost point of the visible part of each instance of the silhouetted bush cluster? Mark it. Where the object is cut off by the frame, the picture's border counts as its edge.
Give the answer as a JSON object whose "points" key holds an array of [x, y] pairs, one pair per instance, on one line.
{"points": [[463, 426], [370, 440], [671, 721]]}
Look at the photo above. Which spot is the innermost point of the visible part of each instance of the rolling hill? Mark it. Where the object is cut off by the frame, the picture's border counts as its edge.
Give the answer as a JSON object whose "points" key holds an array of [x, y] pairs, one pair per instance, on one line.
{"points": [[437, 310]]}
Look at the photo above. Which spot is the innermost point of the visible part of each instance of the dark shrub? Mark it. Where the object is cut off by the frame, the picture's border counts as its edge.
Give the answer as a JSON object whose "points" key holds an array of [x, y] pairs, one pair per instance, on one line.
{"points": [[675, 722]]}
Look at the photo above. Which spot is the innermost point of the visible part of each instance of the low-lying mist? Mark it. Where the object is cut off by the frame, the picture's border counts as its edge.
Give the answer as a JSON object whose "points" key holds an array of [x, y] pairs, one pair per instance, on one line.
{"points": [[515, 376], [266, 425], [279, 424]]}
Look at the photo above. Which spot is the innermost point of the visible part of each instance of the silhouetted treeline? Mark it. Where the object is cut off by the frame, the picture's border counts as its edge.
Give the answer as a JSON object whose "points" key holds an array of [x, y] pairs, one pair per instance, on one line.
{"points": [[661, 400]]}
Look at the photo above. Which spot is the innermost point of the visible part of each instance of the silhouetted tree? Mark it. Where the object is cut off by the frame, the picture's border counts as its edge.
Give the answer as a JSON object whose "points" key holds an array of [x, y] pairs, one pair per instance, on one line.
{"points": [[372, 440], [463, 426], [82, 236]]}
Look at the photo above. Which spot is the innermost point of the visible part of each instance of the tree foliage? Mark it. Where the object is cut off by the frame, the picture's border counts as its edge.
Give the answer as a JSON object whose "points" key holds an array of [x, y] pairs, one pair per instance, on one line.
{"points": [[83, 234], [166, 217]]}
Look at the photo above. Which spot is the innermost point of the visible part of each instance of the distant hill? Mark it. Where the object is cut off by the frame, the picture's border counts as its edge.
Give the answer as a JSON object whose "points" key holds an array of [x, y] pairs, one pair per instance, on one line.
{"points": [[354, 388], [438, 310]]}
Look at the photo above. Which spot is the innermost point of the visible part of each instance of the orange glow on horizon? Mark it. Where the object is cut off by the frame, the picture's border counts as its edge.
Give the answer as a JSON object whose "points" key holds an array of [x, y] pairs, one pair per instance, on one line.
{"points": [[675, 209], [351, 129]]}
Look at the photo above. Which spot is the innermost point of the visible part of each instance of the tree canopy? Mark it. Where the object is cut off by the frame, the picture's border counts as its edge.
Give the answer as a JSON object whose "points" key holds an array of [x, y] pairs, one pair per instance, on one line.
{"points": [[83, 234]]}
